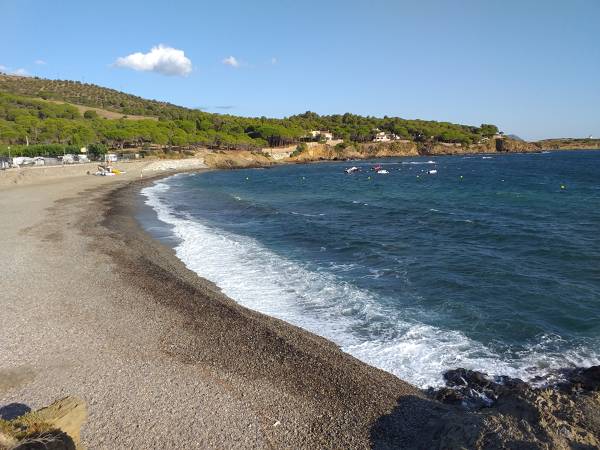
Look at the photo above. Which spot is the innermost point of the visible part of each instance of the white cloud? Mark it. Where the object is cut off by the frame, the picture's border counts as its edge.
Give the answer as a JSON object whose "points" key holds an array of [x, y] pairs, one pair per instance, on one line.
{"points": [[40, 62], [273, 60], [20, 72], [160, 59], [231, 61]]}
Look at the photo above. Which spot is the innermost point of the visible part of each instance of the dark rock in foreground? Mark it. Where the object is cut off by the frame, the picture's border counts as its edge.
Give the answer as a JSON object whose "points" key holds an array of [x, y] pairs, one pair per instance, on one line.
{"points": [[507, 412]]}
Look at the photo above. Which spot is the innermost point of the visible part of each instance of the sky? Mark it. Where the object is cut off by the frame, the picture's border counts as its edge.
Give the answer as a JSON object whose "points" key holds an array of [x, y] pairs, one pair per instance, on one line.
{"points": [[530, 67]]}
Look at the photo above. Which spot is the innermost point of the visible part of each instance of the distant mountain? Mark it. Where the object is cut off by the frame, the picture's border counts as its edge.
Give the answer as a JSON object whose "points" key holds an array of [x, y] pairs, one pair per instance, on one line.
{"points": [[514, 137]]}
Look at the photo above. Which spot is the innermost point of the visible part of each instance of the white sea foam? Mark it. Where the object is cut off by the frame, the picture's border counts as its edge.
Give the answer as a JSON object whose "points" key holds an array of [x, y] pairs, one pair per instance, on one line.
{"points": [[320, 302], [418, 162]]}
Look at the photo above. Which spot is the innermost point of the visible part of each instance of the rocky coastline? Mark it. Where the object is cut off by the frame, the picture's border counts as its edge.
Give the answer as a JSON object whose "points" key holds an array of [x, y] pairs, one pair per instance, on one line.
{"points": [[315, 152]]}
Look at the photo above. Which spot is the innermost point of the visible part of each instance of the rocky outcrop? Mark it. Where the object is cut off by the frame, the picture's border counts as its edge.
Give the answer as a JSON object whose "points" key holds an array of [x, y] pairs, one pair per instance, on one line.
{"points": [[237, 159], [514, 146], [55, 427], [490, 146], [510, 413], [569, 144], [324, 152], [312, 151], [446, 148]]}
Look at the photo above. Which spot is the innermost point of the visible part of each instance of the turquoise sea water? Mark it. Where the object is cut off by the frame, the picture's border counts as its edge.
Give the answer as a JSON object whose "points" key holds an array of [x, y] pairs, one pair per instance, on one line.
{"points": [[492, 264]]}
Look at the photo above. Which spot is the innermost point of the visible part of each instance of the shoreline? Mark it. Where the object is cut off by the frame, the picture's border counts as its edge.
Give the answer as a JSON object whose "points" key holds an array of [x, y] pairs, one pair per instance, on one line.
{"points": [[160, 355], [298, 364], [164, 358]]}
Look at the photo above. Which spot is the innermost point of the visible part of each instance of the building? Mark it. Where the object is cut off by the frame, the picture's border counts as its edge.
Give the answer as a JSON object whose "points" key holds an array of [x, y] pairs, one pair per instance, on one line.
{"points": [[322, 135], [68, 159], [382, 136], [22, 161]]}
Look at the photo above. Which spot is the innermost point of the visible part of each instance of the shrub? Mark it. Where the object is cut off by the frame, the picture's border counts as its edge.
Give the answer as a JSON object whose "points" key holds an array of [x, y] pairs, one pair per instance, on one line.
{"points": [[299, 149], [90, 114], [96, 150]]}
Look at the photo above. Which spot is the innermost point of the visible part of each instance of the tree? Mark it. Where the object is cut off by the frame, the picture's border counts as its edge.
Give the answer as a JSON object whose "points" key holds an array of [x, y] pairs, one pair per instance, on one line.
{"points": [[90, 114], [96, 150], [488, 130]]}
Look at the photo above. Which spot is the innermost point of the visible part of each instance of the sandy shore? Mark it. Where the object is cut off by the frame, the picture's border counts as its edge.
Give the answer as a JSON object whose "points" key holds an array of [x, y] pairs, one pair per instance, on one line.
{"points": [[92, 306]]}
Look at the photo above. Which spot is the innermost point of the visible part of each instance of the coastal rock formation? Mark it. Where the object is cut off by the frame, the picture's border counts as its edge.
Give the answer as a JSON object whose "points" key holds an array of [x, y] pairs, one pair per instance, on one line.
{"points": [[569, 144], [490, 146], [324, 152], [55, 427], [237, 159], [510, 413], [514, 146]]}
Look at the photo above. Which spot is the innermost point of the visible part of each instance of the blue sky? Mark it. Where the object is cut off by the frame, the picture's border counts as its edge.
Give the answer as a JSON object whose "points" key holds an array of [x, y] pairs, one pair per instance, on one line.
{"points": [[531, 67]]}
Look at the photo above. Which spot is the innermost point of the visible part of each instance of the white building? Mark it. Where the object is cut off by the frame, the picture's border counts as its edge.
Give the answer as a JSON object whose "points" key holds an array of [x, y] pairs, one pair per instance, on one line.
{"points": [[326, 135], [382, 136], [68, 159]]}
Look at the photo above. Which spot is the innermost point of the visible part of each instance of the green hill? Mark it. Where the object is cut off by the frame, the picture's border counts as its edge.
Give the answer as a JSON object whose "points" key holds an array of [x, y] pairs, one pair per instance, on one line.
{"points": [[39, 111]]}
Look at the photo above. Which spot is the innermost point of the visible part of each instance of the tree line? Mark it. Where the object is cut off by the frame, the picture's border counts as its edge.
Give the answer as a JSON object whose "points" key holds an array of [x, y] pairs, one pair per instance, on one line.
{"points": [[25, 120]]}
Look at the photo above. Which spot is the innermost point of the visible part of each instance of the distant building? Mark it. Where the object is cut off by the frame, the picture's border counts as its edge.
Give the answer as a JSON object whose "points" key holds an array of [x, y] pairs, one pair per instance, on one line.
{"points": [[22, 161], [382, 136], [499, 135], [68, 159], [326, 135]]}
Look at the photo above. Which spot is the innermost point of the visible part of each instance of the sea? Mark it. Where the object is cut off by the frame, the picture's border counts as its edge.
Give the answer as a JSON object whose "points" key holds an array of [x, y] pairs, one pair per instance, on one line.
{"points": [[490, 262]]}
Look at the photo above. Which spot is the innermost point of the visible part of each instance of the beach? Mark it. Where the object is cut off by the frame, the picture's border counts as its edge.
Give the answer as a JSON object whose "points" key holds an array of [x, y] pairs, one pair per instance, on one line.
{"points": [[95, 308]]}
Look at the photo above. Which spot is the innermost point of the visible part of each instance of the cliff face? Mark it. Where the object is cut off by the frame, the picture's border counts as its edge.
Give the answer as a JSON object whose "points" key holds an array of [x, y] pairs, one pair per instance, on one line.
{"points": [[324, 152], [569, 144], [236, 159], [491, 146], [442, 148]]}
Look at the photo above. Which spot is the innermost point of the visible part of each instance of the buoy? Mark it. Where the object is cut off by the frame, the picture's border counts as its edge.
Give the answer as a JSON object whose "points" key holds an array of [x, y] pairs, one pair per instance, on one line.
{"points": [[562, 186], [368, 178], [247, 178], [461, 177]]}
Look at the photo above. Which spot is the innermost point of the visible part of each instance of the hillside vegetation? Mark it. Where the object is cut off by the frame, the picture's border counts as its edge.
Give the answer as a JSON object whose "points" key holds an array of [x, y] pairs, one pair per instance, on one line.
{"points": [[32, 112]]}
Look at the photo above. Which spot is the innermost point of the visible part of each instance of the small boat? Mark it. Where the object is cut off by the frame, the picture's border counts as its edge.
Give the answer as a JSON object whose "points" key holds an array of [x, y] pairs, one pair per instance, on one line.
{"points": [[382, 172], [432, 172], [377, 168], [352, 169]]}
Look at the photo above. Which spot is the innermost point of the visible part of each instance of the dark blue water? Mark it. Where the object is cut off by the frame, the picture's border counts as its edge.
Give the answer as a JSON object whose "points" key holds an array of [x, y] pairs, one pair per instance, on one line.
{"points": [[492, 263]]}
